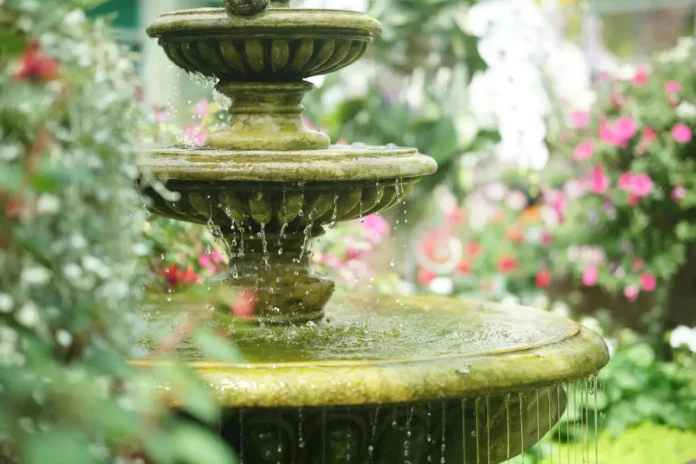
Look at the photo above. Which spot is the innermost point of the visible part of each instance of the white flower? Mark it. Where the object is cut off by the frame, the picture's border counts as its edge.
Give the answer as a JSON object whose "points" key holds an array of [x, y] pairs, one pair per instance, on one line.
{"points": [[28, 315], [530, 155], [481, 93], [506, 48], [592, 324], [47, 204], [561, 309], [78, 241], [6, 303], [74, 19], [96, 266], [683, 336], [442, 286], [686, 110], [485, 17], [35, 276], [64, 338]]}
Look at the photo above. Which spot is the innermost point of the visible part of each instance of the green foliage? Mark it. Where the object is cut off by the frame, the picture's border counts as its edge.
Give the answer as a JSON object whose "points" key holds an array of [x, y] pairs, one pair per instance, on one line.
{"points": [[646, 443], [70, 234]]}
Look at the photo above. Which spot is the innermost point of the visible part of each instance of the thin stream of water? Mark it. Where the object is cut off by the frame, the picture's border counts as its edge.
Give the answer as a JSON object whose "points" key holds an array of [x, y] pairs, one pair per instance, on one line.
{"points": [[464, 430], [443, 446]]}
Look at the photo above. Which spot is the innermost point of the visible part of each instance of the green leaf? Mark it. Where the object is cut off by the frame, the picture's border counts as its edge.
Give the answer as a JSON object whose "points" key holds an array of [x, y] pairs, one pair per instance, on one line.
{"points": [[215, 347], [60, 447], [195, 445]]}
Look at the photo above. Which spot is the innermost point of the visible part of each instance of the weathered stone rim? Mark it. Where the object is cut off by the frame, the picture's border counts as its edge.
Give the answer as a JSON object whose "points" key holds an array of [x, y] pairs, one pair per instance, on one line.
{"points": [[272, 22], [336, 163]]}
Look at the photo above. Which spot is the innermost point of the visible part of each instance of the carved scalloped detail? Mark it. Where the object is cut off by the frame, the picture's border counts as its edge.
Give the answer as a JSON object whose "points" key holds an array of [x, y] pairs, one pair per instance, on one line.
{"points": [[264, 59], [296, 207]]}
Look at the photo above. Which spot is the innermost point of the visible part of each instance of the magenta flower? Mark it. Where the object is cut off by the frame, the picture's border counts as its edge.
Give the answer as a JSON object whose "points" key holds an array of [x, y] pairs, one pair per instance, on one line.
{"points": [[682, 133], [194, 135], [376, 228], [672, 87], [600, 181], [642, 185], [641, 78], [626, 128], [589, 277], [648, 281], [202, 109], [580, 119], [205, 262], [678, 193], [584, 150], [638, 185], [631, 292]]}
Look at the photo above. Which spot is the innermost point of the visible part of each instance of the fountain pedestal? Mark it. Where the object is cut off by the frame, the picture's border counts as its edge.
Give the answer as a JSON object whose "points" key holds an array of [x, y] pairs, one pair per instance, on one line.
{"points": [[379, 379]]}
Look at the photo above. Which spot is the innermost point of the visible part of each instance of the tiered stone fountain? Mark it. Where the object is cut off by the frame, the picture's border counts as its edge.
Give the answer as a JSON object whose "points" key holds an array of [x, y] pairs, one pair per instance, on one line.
{"points": [[363, 378]]}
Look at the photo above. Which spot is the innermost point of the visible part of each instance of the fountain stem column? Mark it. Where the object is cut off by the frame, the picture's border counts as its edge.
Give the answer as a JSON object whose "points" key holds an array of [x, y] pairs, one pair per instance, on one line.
{"points": [[267, 116], [277, 270]]}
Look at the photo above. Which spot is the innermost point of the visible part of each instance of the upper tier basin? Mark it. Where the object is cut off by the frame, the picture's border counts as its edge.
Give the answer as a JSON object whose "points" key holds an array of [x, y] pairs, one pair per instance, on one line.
{"points": [[278, 45]]}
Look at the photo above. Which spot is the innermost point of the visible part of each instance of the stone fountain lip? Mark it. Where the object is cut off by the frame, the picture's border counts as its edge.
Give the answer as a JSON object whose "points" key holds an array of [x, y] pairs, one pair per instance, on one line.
{"points": [[270, 23], [338, 163], [573, 352]]}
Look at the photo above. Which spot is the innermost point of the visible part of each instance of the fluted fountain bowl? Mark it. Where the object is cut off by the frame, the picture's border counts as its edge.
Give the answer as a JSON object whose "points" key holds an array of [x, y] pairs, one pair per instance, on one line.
{"points": [[278, 45]]}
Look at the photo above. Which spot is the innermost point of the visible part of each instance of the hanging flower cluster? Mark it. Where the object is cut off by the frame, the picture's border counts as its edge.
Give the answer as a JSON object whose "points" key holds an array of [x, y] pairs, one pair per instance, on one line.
{"points": [[533, 74], [630, 212]]}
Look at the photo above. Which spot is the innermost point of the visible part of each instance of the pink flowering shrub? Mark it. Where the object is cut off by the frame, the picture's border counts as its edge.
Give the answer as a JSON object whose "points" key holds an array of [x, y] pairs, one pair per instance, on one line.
{"points": [[635, 194]]}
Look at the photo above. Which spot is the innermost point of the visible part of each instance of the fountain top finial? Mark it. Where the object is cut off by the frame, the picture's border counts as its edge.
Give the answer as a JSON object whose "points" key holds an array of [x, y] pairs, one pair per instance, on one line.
{"points": [[251, 7]]}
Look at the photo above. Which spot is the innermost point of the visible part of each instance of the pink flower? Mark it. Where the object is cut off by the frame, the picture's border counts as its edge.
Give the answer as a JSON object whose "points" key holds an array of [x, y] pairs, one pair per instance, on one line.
{"points": [[580, 119], [648, 281], [376, 228], [600, 181], [637, 264], [672, 87], [641, 78], [584, 151], [243, 306], [194, 135], [682, 133], [161, 116], [625, 181], [216, 257], [589, 277], [607, 133], [678, 193], [638, 185], [546, 239], [205, 262], [202, 109], [631, 292], [626, 128]]}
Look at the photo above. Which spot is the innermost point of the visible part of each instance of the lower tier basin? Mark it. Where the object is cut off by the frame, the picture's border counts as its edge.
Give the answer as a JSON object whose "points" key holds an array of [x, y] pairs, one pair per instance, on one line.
{"points": [[389, 379]]}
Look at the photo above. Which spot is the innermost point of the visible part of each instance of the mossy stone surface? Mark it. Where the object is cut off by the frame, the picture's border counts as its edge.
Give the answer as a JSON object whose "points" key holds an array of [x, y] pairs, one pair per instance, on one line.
{"points": [[381, 349]]}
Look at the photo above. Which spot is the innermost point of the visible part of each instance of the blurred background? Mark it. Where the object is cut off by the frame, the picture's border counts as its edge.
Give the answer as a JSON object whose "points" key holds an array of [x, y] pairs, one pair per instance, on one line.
{"points": [[564, 134]]}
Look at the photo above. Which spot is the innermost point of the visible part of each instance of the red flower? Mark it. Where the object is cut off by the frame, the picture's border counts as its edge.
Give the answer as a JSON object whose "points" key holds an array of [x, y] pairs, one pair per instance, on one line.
{"points": [[474, 249], [37, 66], [175, 276], [507, 264], [425, 277], [243, 306], [543, 278], [464, 267]]}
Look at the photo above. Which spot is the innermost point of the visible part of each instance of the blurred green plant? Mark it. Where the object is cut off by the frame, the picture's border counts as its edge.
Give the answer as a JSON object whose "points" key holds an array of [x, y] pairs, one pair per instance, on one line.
{"points": [[69, 238]]}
